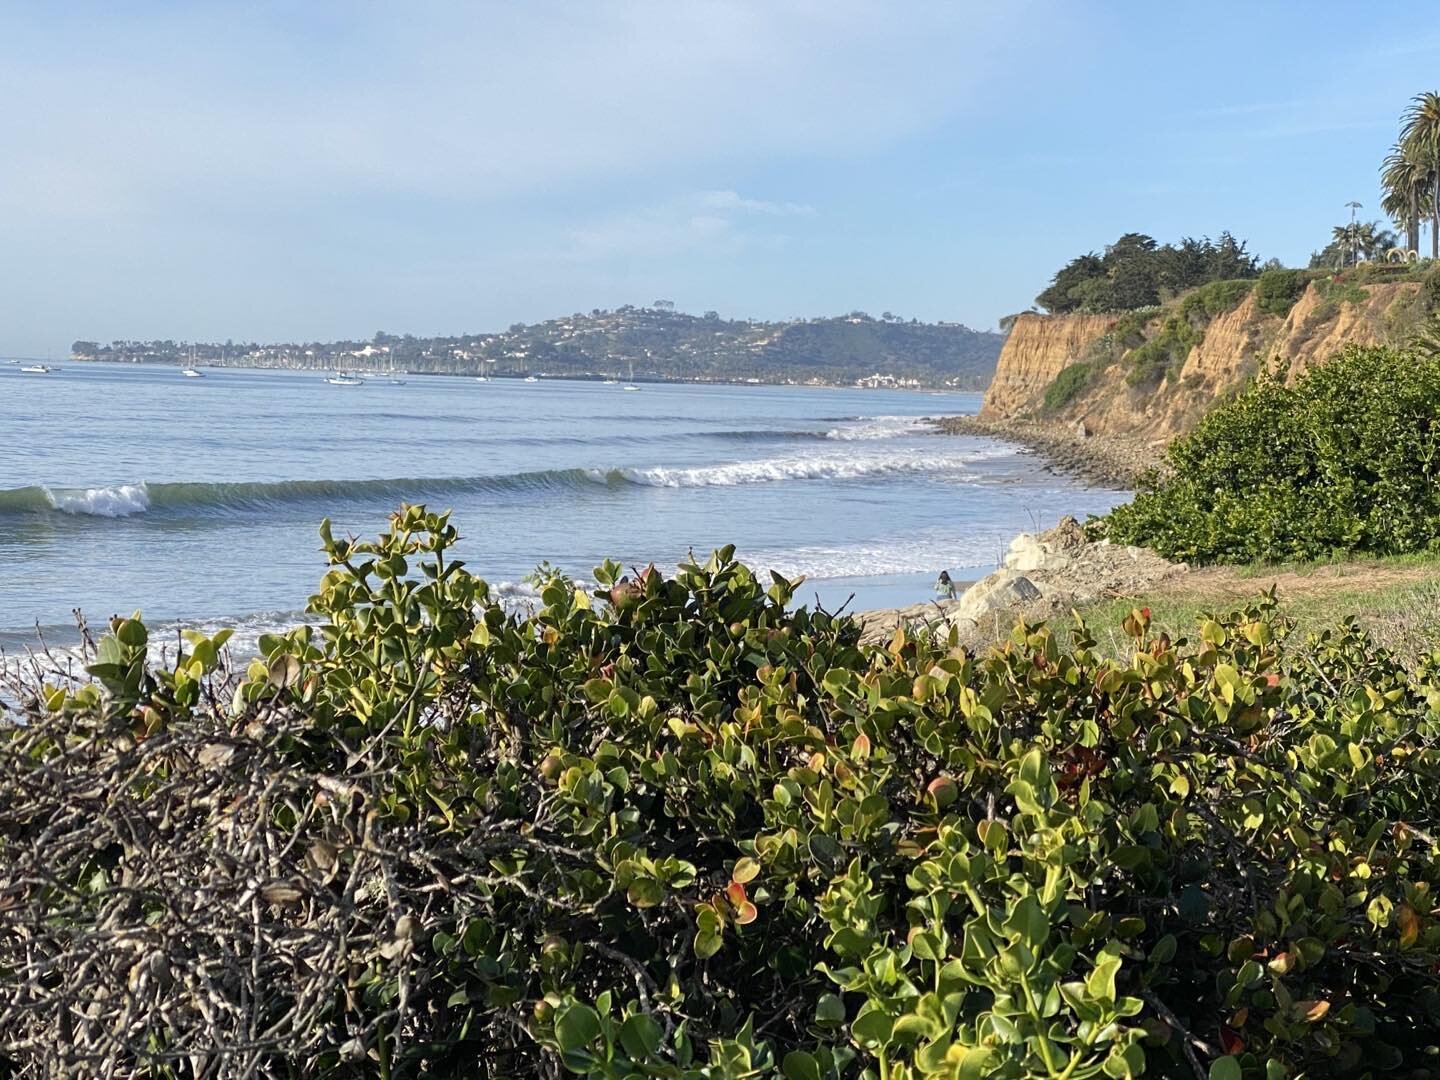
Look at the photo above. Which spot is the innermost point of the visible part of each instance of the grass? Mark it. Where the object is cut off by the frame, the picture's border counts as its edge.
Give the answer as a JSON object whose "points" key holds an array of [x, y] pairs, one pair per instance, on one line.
{"points": [[1351, 563], [1403, 617]]}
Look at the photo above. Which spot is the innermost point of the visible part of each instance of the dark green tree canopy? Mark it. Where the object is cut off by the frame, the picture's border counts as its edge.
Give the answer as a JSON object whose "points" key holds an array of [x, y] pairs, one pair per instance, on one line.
{"points": [[1135, 271]]}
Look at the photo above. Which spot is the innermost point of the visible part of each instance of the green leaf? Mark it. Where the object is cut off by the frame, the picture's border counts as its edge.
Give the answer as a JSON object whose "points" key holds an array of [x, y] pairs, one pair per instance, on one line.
{"points": [[707, 943], [645, 892], [1194, 904], [745, 870], [1101, 982], [973, 1064], [1226, 1068], [576, 1026], [798, 1065], [640, 1035], [829, 1010], [873, 1026], [1032, 767], [132, 632]]}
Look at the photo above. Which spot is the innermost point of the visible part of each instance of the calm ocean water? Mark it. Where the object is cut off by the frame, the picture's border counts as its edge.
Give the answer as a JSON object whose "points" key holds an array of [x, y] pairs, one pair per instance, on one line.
{"points": [[197, 500]]}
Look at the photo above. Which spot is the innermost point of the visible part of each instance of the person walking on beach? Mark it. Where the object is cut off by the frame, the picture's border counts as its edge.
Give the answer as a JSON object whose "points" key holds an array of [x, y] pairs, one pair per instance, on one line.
{"points": [[944, 586]]}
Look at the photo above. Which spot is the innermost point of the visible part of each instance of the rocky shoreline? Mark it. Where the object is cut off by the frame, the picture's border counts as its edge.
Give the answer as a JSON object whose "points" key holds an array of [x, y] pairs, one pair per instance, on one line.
{"points": [[1043, 575], [1108, 461]]}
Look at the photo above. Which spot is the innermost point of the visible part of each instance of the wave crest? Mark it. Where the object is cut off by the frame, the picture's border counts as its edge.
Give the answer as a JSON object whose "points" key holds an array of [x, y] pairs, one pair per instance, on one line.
{"points": [[125, 500]]}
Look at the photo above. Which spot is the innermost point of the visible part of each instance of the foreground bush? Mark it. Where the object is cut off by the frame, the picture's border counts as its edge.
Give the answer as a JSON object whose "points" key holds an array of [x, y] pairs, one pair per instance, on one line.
{"points": [[673, 830], [1345, 460]]}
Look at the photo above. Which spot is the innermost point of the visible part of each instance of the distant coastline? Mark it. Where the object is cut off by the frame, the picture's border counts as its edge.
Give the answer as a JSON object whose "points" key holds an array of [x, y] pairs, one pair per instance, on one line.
{"points": [[651, 344], [546, 376]]}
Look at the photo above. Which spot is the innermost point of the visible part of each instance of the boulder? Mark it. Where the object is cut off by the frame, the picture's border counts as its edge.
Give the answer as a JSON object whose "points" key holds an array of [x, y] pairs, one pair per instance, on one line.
{"points": [[1003, 589], [1050, 552]]}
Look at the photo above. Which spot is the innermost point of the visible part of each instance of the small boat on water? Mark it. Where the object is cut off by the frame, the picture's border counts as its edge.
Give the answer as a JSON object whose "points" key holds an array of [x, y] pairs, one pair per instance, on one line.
{"points": [[531, 378], [631, 384], [36, 369], [345, 380], [191, 373], [612, 382], [482, 378], [397, 382]]}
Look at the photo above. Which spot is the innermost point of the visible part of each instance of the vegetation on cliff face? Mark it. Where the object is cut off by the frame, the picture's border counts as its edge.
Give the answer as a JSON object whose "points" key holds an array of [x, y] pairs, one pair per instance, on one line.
{"points": [[675, 829], [1153, 372], [1277, 289], [1347, 459], [658, 341], [1137, 272]]}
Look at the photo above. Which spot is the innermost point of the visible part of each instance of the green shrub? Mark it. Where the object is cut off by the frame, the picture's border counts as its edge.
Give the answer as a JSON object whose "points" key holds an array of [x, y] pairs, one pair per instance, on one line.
{"points": [[1215, 298], [1065, 386], [670, 828], [1341, 289], [1430, 289], [1163, 355], [1344, 460], [1125, 333], [1277, 290]]}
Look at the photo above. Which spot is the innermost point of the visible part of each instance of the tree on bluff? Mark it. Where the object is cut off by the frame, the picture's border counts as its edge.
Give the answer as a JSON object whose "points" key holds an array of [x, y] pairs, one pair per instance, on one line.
{"points": [[1136, 272]]}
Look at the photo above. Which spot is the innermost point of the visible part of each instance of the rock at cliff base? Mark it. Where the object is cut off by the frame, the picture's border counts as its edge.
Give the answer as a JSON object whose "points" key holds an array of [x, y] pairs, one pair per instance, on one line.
{"points": [[1002, 589], [1060, 568]]}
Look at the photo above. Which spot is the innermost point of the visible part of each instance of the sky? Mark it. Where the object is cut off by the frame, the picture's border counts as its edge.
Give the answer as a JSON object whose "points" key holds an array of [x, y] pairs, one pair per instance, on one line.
{"points": [[273, 171]]}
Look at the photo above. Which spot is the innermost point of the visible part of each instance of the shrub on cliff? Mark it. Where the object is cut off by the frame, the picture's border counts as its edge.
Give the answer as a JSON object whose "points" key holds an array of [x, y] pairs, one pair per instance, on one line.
{"points": [[1345, 460], [1216, 298], [1277, 290], [1066, 386], [670, 828]]}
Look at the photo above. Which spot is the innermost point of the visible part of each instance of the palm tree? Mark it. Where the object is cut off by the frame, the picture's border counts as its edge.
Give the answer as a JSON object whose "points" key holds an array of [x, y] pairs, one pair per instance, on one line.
{"points": [[1345, 242], [1420, 142], [1406, 184], [1372, 240]]}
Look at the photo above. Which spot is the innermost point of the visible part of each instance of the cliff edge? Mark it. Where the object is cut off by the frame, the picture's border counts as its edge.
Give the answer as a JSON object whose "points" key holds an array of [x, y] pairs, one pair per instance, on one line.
{"points": [[1151, 374]]}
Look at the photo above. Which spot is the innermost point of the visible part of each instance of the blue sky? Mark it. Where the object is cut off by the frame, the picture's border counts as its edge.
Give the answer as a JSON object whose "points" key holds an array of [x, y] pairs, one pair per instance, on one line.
{"points": [[311, 171]]}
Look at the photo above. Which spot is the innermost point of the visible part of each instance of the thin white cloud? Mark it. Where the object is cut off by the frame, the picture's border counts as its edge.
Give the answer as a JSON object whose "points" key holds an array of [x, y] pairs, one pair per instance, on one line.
{"points": [[731, 200], [713, 222], [460, 101]]}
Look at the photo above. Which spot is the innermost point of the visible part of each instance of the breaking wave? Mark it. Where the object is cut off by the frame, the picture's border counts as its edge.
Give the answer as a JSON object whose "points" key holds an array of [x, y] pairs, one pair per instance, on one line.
{"points": [[126, 500]]}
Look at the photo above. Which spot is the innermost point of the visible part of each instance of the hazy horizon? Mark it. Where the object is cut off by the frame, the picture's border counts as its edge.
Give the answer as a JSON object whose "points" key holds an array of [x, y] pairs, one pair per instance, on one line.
{"points": [[198, 172]]}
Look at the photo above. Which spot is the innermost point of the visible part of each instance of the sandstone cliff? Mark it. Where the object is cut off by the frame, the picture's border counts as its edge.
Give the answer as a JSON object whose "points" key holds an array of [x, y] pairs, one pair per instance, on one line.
{"points": [[1036, 350], [1112, 394]]}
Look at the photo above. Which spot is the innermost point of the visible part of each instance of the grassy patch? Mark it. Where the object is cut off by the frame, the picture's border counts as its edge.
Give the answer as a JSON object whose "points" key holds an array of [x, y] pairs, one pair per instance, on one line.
{"points": [[1403, 618], [1066, 386]]}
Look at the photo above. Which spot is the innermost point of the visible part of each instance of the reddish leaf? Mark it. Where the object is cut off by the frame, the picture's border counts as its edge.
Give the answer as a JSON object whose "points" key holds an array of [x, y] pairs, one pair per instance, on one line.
{"points": [[1230, 1040]]}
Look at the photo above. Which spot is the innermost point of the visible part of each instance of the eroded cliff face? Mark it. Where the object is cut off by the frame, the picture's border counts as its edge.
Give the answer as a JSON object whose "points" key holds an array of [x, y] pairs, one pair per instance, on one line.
{"points": [[1317, 328], [1035, 351], [1233, 346]]}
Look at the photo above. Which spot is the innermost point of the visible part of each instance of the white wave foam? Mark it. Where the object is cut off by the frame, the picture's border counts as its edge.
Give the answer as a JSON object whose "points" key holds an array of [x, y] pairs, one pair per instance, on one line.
{"points": [[877, 427], [769, 470], [122, 500], [917, 555]]}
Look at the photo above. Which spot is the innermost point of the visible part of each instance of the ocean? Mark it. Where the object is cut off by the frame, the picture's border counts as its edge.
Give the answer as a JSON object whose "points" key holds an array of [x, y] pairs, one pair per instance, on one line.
{"points": [[197, 500]]}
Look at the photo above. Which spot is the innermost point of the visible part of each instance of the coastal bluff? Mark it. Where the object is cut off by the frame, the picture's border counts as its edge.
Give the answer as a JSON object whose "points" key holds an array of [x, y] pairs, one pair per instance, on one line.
{"points": [[1151, 375]]}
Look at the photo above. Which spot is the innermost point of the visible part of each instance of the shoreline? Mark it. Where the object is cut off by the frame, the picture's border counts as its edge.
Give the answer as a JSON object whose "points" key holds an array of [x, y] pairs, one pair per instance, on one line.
{"points": [[579, 376], [1102, 460]]}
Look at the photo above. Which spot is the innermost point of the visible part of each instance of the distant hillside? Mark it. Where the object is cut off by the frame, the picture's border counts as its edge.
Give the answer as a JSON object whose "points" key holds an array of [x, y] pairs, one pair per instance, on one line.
{"points": [[658, 341]]}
